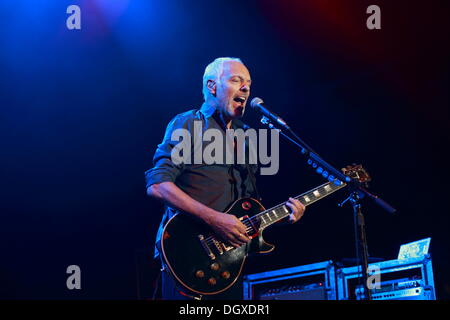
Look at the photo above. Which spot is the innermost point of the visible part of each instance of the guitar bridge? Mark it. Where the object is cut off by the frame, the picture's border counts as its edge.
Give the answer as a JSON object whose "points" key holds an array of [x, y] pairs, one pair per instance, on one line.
{"points": [[206, 247], [219, 246]]}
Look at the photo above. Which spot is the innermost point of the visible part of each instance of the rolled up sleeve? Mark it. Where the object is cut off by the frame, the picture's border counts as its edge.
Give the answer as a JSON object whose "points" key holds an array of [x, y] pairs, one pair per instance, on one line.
{"points": [[164, 169]]}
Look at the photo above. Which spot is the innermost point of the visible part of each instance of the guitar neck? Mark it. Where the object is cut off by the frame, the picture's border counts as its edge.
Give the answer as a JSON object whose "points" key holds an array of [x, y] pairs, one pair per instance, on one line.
{"points": [[275, 214]]}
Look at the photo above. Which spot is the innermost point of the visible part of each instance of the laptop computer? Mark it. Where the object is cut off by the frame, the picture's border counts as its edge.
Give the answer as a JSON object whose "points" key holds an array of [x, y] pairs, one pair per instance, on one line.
{"points": [[414, 249]]}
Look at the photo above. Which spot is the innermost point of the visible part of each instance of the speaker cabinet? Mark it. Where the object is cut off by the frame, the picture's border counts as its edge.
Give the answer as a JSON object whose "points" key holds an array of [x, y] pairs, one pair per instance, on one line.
{"points": [[309, 282]]}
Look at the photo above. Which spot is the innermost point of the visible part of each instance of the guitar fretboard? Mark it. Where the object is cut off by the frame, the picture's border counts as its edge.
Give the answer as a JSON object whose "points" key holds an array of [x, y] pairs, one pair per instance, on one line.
{"points": [[270, 216]]}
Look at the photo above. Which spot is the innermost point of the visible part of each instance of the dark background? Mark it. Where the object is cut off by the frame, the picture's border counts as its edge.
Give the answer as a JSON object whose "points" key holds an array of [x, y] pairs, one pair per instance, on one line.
{"points": [[82, 112]]}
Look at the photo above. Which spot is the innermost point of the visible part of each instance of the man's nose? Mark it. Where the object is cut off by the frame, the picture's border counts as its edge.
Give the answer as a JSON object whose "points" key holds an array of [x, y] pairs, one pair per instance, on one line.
{"points": [[245, 88]]}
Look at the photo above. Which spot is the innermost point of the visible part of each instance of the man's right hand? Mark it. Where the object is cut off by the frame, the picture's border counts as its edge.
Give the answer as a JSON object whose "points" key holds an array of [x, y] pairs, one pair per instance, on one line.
{"points": [[229, 228]]}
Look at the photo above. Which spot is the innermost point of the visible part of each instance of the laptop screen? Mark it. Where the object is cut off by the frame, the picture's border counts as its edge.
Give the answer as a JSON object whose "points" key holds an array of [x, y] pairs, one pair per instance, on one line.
{"points": [[414, 249]]}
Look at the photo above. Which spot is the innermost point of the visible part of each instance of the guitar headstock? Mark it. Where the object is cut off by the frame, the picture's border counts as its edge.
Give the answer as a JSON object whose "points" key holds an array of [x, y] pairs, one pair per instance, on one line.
{"points": [[357, 172]]}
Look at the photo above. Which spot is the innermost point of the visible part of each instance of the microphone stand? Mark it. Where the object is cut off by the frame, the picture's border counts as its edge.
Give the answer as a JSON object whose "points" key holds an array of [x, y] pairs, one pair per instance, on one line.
{"points": [[356, 193]]}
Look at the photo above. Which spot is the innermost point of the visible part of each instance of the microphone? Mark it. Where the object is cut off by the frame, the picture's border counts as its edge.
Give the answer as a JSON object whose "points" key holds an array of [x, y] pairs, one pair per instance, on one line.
{"points": [[258, 105]]}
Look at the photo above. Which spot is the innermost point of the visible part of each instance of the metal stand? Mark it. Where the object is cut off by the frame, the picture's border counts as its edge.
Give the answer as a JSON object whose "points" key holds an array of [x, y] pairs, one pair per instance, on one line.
{"points": [[362, 253]]}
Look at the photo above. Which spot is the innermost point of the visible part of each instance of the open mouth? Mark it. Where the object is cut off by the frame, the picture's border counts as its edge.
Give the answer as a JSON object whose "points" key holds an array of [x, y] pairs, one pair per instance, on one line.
{"points": [[240, 104], [240, 99]]}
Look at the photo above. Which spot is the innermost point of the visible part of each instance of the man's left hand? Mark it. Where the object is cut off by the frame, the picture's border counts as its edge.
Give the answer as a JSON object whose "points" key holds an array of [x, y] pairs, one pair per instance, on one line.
{"points": [[297, 210]]}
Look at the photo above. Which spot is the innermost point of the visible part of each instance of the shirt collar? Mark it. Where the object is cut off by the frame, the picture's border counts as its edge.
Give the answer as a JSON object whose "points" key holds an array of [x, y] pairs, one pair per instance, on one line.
{"points": [[207, 110]]}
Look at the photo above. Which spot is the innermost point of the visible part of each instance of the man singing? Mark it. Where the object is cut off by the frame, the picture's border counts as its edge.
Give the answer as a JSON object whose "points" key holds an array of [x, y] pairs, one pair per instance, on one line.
{"points": [[206, 190]]}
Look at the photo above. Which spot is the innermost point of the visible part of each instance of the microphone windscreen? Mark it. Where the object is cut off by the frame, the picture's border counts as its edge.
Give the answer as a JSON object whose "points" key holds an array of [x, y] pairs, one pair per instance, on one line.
{"points": [[255, 101]]}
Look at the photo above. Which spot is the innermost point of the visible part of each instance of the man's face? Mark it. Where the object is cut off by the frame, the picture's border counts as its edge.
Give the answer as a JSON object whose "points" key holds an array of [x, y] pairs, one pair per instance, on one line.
{"points": [[233, 89]]}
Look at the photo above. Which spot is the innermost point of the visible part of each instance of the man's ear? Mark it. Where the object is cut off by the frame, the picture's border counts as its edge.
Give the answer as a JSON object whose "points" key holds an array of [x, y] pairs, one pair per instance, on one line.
{"points": [[212, 87]]}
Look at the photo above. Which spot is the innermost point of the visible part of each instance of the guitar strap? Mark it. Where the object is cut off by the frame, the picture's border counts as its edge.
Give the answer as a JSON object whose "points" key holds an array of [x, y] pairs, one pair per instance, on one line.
{"points": [[249, 170], [253, 181]]}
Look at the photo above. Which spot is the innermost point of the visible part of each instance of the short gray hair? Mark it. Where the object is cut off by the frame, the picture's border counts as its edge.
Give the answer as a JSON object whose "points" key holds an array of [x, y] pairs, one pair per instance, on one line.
{"points": [[213, 72]]}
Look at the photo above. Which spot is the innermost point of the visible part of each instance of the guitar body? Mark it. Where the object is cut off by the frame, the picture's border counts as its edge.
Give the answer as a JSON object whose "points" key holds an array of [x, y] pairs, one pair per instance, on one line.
{"points": [[198, 260]]}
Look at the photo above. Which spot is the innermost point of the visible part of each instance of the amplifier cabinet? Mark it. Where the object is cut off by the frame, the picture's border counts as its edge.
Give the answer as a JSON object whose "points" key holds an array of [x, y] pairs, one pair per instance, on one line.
{"points": [[408, 279], [309, 282]]}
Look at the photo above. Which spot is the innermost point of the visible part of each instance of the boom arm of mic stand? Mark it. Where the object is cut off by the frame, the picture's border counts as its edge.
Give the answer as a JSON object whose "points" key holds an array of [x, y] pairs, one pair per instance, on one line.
{"points": [[386, 206]]}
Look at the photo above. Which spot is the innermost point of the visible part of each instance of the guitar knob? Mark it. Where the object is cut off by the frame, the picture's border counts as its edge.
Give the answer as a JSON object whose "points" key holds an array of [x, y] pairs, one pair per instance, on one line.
{"points": [[246, 205], [212, 281], [215, 266], [199, 274], [225, 274]]}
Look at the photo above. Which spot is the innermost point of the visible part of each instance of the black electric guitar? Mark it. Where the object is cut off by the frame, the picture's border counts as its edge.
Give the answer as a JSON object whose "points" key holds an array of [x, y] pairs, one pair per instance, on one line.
{"points": [[203, 264]]}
